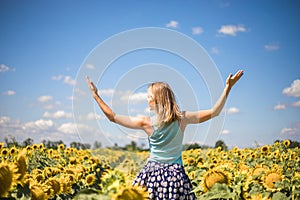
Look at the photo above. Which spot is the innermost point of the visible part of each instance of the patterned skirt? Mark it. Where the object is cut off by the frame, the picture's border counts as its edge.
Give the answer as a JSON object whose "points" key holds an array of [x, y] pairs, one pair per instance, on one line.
{"points": [[165, 181]]}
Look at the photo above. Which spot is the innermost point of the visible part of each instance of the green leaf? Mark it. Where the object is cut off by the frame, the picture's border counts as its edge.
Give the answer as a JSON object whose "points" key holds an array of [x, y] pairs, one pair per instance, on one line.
{"points": [[90, 194], [219, 191], [279, 196]]}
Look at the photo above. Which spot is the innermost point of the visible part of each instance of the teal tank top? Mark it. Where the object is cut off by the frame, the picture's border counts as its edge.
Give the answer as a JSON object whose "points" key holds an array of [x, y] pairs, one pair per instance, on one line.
{"points": [[166, 144]]}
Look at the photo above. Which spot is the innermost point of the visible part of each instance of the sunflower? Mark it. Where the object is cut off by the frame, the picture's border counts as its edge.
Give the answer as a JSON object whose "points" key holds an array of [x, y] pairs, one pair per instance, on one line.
{"points": [[61, 147], [21, 166], [67, 152], [284, 157], [5, 152], [213, 176], [1, 145], [50, 152], [243, 156], [131, 193], [41, 146], [192, 175], [49, 171], [72, 160], [259, 170], [243, 168], [235, 149], [224, 155], [37, 193], [8, 178], [253, 155], [71, 178], [65, 185], [90, 179], [265, 149], [190, 161], [111, 181], [296, 175], [66, 181], [271, 178], [39, 177], [287, 143], [29, 150], [35, 147], [275, 154], [219, 149], [54, 185], [13, 151], [258, 196], [293, 155]]}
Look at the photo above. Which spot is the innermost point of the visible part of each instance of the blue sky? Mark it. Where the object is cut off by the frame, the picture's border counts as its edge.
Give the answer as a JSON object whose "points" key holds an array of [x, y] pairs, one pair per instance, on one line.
{"points": [[45, 44]]}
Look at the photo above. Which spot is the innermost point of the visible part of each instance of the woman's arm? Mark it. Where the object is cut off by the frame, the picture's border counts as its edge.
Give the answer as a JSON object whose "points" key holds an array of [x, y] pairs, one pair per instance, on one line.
{"points": [[127, 121], [204, 115]]}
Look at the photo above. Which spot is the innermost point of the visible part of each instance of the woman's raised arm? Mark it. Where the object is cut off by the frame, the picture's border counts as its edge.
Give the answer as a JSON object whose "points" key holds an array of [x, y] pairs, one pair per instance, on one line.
{"points": [[204, 115], [127, 121]]}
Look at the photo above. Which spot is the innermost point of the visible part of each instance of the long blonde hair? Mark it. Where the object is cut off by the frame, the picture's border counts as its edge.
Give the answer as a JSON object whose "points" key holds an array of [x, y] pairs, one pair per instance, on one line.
{"points": [[166, 106]]}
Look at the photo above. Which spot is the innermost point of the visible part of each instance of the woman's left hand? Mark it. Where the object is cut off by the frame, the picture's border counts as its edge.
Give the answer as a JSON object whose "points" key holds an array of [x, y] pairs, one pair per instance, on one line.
{"points": [[231, 80], [92, 87]]}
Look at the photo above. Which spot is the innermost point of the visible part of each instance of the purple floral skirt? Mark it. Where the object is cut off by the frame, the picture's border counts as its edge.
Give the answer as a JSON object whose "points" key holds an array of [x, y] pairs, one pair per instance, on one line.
{"points": [[165, 181]]}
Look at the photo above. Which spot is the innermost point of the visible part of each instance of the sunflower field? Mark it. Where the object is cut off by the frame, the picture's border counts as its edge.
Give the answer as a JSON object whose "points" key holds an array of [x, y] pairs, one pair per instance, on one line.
{"points": [[35, 172]]}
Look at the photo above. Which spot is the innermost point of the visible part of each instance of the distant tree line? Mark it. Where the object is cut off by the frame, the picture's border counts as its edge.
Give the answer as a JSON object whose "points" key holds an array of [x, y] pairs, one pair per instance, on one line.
{"points": [[11, 141]]}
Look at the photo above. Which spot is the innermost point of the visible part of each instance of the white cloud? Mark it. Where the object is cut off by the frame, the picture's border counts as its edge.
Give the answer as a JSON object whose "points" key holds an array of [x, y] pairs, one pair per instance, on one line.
{"points": [[197, 30], [10, 93], [3, 68], [93, 116], [71, 128], [45, 98], [225, 132], [280, 107], [58, 114], [214, 50], [138, 97], [71, 98], [68, 80], [107, 92], [231, 29], [67, 128], [57, 78], [292, 132], [293, 90], [90, 66], [288, 131], [39, 125], [172, 24], [233, 110], [296, 104], [4, 119], [271, 47], [38, 130]]}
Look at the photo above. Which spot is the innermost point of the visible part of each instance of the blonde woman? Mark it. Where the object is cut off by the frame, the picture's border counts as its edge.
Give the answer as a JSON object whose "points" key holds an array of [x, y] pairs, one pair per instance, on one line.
{"points": [[164, 175]]}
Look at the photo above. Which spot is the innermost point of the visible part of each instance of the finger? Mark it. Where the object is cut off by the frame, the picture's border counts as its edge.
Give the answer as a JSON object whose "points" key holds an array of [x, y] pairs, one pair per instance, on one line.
{"points": [[240, 73], [87, 79]]}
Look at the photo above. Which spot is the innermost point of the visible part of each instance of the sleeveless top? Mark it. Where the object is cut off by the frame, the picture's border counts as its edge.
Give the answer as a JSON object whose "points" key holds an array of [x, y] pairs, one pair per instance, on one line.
{"points": [[166, 144]]}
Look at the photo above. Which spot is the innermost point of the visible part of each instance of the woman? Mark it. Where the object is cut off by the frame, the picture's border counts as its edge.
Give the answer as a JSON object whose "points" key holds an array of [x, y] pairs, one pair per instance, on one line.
{"points": [[164, 175]]}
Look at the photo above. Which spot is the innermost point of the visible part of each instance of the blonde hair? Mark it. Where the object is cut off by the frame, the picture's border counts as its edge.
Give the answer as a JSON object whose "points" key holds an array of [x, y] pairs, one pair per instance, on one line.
{"points": [[166, 106]]}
